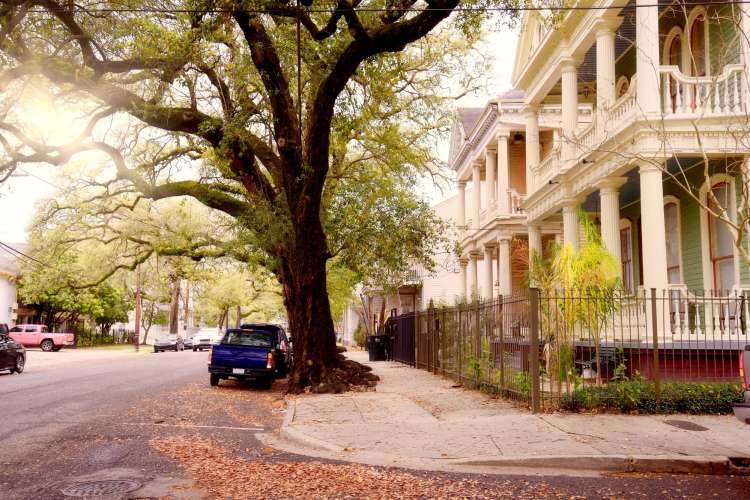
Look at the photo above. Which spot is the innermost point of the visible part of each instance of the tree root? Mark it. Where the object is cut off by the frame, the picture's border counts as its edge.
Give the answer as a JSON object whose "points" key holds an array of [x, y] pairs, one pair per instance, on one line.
{"points": [[346, 375]]}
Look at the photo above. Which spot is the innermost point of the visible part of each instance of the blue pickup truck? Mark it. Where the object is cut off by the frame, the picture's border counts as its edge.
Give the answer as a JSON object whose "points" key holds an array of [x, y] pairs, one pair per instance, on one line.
{"points": [[254, 352]]}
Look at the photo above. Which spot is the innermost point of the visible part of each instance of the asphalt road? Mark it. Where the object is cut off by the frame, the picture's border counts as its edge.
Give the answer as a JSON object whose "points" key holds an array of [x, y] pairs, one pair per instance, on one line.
{"points": [[153, 419]]}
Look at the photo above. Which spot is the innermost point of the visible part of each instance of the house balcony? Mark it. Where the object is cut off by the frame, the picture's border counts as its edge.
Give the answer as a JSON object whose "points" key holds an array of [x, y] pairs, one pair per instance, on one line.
{"points": [[684, 100]]}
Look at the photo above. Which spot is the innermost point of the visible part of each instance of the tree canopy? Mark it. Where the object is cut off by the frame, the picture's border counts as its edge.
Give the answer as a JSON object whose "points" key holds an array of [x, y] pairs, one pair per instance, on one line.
{"points": [[287, 135]]}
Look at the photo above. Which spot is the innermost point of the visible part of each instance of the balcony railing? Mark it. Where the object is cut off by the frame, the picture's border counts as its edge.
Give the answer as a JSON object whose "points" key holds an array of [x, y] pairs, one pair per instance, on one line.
{"points": [[547, 168], [515, 201], [702, 95]]}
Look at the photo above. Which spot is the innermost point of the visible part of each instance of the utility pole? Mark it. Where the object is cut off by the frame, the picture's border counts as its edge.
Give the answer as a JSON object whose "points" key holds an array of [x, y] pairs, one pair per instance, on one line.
{"points": [[137, 336]]}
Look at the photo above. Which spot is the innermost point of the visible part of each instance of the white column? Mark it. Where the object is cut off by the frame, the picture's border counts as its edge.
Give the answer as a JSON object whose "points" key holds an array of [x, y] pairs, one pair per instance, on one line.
{"points": [[473, 274], [605, 64], [504, 267], [569, 109], [647, 57], [476, 193], [609, 196], [490, 160], [463, 262], [489, 282], [503, 174], [654, 244], [570, 223], [461, 203], [532, 146]]}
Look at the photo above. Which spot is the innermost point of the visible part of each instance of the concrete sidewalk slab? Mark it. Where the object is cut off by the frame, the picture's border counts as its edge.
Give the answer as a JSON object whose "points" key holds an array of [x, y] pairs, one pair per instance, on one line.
{"points": [[416, 419]]}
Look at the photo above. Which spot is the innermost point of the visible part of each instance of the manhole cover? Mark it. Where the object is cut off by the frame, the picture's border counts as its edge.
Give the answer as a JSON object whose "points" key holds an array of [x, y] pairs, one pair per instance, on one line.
{"points": [[101, 488], [685, 425]]}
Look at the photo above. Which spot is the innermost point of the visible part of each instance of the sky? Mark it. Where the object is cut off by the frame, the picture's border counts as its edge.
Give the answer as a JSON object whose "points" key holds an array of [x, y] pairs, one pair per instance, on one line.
{"points": [[20, 194]]}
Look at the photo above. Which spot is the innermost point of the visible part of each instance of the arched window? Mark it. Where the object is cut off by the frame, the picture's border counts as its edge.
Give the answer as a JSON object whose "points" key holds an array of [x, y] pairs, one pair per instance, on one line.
{"points": [[697, 30], [622, 86], [672, 232], [626, 254], [721, 241]]}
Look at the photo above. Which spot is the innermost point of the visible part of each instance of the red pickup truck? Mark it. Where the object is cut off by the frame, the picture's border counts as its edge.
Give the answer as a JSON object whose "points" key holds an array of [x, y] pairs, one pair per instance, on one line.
{"points": [[40, 336]]}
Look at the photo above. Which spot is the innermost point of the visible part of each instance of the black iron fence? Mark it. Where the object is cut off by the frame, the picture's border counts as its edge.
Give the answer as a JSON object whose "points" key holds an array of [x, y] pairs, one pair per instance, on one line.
{"points": [[537, 347]]}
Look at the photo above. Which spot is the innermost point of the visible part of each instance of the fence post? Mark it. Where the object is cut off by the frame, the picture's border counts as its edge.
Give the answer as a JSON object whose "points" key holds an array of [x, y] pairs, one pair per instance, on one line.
{"points": [[501, 333], [416, 338], [655, 347], [430, 337], [534, 348]]}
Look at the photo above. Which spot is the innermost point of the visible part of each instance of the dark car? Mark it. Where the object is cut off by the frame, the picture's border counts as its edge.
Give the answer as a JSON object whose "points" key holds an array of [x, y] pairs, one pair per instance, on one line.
{"points": [[169, 342], [282, 345], [244, 354], [12, 354]]}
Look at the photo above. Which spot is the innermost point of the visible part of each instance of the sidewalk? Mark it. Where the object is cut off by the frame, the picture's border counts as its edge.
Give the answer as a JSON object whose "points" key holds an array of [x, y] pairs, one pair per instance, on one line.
{"points": [[419, 420]]}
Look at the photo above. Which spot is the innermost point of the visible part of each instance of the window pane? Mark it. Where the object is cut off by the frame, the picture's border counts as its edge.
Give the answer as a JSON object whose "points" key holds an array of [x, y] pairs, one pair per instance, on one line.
{"points": [[672, 230], [722, 241], [725, 275], [626, 256], [698, 46]]}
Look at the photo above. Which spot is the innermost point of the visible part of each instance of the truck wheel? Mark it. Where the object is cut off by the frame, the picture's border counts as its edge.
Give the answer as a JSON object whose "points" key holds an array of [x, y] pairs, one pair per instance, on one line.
{"points": [[215, 379], [47, 345], [194, 349], [20, 363]]}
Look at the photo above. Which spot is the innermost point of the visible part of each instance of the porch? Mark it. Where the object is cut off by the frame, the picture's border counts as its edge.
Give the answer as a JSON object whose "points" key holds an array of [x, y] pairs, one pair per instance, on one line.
{"points": [[648, 70]]}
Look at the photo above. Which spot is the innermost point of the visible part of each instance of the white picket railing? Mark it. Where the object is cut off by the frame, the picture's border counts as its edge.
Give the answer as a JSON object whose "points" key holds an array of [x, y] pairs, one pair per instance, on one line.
{"points": [[702, 95], [516, 201], [547, 168], [623, 107], [684, 315]]}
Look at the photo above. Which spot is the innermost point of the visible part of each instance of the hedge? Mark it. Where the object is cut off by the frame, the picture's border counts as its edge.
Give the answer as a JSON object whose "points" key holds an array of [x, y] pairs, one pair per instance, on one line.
{"points": [[639, 396]]}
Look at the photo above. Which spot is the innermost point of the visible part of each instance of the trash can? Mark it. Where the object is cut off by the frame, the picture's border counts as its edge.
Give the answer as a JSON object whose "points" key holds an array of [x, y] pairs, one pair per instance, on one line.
{"points": [[377, 347]]}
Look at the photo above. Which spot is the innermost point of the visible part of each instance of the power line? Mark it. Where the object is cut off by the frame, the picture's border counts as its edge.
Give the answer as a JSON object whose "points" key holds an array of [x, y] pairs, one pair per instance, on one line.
{"points": [[272, 11], [17, 253]]}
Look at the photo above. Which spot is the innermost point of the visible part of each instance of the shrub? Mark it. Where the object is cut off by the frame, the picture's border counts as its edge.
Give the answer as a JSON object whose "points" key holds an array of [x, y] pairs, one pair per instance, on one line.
{"points": [[640, 396], [359, 334]]}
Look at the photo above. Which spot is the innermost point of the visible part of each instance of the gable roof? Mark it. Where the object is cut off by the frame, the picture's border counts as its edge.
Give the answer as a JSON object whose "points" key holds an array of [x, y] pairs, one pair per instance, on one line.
{"points": [[469, 117]]}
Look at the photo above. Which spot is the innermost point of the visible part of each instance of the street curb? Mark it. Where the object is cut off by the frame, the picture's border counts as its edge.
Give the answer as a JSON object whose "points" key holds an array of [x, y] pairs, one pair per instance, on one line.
{"points": [[676, 464], [300, 438]]}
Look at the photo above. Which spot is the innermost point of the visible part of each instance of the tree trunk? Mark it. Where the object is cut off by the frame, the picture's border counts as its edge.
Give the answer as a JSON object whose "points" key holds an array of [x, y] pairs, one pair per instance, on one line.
{"points": [[303, 279], [174, 307], [186, 306]]}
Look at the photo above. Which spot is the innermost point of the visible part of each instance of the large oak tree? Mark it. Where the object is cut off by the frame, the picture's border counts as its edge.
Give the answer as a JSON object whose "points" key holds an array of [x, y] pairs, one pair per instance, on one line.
{"points": [[212, 88]]}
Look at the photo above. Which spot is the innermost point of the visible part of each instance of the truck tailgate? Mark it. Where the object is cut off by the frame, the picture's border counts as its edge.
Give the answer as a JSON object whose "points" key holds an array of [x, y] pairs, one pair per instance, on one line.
{"points": [[239, 356]]}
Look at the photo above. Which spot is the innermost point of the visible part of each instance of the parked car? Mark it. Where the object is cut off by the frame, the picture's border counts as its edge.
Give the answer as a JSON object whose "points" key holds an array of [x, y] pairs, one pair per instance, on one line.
{"points": [[246, 354], [187, 342], [282, 346], [170, 342], [205, 338], [742, 410], [12, 354], [40, 336]]}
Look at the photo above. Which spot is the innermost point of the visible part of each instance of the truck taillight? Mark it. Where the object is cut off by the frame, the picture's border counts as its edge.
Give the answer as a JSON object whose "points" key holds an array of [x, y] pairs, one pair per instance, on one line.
{"points": [[283, 346], [743, 377], [209, 355], [269, 360]]}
